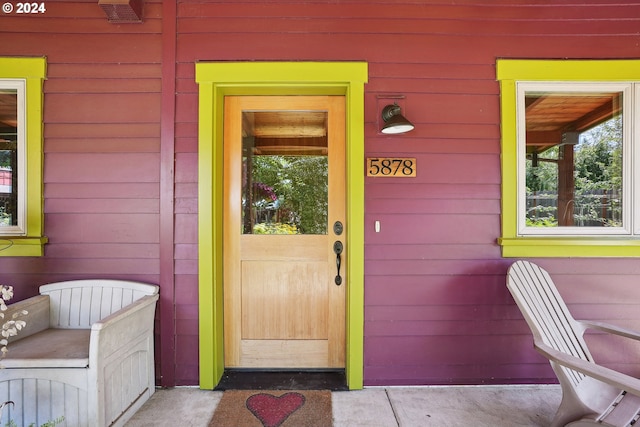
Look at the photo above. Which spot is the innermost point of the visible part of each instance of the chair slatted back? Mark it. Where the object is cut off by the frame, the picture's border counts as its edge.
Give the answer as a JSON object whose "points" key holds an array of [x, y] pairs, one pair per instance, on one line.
{"points": [[77, 304], [546, 313]]}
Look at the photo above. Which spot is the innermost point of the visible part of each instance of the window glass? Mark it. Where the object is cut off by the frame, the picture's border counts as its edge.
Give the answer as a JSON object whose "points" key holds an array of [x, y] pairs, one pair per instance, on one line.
{"points": [[11, 156], [572, 148], [285, 172]]}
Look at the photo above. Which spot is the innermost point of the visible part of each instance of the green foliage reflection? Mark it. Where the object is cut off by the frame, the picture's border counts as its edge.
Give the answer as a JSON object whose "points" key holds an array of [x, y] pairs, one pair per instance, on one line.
{"points": [[597, 193], [289, 194]]}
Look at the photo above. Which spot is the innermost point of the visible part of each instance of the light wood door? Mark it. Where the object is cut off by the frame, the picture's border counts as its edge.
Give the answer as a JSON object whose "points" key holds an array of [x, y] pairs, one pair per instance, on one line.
{"points": [[282, 306]]}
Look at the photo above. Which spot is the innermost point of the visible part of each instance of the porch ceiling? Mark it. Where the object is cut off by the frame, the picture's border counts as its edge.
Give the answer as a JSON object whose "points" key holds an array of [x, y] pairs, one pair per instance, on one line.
{"points": [[549, 117], [286, 132]]}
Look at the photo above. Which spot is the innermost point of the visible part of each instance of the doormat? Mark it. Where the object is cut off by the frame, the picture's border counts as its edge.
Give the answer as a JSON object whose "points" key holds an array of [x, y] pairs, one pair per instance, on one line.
{"points": [[249, 379], [273, 408]]}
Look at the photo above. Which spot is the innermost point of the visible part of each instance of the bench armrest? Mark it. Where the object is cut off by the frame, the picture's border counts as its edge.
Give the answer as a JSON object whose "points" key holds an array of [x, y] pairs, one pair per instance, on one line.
{"points": [[37, 316], [122, 328]]}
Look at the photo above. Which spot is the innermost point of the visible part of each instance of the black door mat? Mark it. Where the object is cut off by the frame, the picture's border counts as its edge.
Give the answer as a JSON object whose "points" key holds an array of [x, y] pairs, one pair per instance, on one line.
{"points": [[239, 379]]}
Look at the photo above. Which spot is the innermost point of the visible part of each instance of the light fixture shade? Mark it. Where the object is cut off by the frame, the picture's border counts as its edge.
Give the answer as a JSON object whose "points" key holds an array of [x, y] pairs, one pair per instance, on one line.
{"points": [[394, 122]]}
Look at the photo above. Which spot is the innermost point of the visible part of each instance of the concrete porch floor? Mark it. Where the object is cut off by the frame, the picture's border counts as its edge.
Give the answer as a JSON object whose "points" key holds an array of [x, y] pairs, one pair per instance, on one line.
{"points": [[447, 406]]}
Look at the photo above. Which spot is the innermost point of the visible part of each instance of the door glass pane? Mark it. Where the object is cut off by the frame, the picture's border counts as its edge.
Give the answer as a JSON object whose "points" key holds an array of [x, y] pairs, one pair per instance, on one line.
{"points": [[8, 158], [285, 172], [574, 173]]}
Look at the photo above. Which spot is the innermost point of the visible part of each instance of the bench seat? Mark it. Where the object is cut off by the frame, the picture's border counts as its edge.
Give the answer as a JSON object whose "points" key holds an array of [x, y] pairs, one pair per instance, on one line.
{"points": [[51, 348]]}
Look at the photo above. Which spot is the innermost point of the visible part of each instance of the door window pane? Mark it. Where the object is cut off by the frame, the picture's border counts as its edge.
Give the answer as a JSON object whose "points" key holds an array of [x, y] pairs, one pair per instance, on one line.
{"points": [[285, 172]]}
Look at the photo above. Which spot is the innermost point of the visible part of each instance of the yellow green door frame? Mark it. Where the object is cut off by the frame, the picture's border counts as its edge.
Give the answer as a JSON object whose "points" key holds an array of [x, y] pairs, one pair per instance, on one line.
{"points": [[219, 79]]}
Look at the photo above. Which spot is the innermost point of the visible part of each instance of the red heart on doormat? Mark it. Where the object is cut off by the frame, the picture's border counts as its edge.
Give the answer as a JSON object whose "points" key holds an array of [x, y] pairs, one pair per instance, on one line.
{"points": [[272, 410]]}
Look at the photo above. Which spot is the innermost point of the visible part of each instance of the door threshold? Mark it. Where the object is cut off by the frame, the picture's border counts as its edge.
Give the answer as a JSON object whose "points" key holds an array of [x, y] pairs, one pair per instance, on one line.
{"points": [[249, 379]]}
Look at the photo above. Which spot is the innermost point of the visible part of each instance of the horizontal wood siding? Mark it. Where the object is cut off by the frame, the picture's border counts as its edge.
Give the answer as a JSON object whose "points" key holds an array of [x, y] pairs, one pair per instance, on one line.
{"points": [[437, 310], [102, 129]]}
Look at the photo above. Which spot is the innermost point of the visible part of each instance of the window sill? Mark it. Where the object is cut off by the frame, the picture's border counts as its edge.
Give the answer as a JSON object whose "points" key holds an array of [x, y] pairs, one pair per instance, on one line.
{"points": [[22, 246], [562, 247]]}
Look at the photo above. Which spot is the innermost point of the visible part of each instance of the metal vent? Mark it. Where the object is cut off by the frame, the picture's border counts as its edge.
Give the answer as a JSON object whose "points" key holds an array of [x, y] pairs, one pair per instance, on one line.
{"points": [[122, 11]]}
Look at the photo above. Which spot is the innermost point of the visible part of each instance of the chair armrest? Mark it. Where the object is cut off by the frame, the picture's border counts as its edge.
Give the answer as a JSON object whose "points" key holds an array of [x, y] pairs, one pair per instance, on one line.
{"points": [[601, 373], [37, 316], [609, 328], [121, 328]]}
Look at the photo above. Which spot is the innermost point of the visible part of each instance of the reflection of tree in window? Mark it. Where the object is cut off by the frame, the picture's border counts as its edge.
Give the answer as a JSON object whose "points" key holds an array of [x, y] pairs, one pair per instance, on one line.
{"points": [[597, 176], [290, 194], [598, 170]]}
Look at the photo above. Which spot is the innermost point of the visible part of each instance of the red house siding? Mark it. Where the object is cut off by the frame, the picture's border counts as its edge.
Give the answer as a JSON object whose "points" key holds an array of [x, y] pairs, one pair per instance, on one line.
{"points": [[435, 301], [101, 128], [436, 307]]}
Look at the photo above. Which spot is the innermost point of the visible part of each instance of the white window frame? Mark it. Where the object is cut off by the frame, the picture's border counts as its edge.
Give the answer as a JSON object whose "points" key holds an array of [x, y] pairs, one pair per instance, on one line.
{"points": [[20, 86], [636, 161], [631, 202]]}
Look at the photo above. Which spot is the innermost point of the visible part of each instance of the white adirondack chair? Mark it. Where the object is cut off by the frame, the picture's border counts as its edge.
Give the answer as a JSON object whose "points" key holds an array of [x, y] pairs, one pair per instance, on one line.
{"points": [[592, 395], [86, 354]]}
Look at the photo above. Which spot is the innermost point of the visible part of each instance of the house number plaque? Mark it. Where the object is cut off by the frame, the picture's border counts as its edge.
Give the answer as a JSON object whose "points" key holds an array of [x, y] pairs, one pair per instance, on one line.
{"points": [[398, 167]]}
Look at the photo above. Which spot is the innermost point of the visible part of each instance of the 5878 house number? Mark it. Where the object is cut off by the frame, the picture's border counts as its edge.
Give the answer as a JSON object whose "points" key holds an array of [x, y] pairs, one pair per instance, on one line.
{"points": [[24, 8], [391, 167]]}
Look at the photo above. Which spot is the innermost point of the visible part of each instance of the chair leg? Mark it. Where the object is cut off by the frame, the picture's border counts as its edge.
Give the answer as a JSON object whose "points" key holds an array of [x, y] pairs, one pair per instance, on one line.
{"points": [[570, 410]]}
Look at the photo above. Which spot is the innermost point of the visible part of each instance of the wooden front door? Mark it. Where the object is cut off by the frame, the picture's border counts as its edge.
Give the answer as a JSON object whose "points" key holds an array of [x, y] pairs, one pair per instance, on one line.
{"points": [[283, 214]]}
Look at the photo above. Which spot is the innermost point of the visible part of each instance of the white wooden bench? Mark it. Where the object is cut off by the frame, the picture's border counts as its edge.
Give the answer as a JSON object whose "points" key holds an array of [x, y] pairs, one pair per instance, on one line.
{"points": [[86, 353]]}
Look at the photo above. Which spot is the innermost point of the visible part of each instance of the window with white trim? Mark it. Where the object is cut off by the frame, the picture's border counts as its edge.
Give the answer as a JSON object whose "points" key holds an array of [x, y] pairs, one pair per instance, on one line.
{"points": [[21, 156], [570, 158]]}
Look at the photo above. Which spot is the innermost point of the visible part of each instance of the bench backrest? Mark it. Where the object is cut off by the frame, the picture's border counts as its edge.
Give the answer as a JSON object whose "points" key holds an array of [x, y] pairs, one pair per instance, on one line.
{"points": [[546, 313], [77, 304]]}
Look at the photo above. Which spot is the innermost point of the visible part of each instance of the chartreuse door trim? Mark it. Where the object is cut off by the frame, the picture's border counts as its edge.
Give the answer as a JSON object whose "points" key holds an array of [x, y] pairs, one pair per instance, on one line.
{"points": [[219, 79]]}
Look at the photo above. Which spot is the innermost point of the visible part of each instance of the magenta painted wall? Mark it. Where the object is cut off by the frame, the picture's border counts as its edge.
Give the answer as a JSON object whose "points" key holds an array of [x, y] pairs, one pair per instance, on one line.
{"points": [[436, 307], [102, 142]]}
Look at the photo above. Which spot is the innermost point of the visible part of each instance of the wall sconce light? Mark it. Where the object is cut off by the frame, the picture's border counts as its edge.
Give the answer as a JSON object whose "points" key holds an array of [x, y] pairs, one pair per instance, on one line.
{"points": [[394, 122]]}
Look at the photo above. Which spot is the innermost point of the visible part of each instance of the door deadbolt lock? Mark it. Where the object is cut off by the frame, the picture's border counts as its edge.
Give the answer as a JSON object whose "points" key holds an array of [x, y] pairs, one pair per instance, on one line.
{"points": [[338, 228]]}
